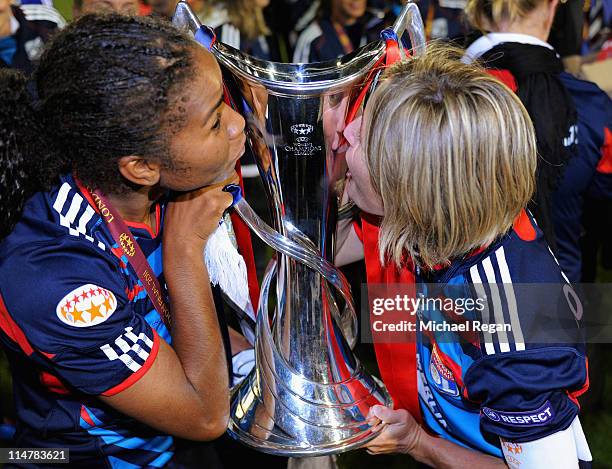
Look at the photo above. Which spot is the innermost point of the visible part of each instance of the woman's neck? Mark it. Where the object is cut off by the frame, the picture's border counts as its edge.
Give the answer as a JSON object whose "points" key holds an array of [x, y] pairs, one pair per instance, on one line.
{"points": [[537, 23], [5, 23], [136, 206]]}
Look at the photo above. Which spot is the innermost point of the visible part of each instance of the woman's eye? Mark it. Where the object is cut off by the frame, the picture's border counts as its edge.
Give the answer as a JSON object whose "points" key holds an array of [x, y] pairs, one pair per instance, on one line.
{"points": [[217, 124]]}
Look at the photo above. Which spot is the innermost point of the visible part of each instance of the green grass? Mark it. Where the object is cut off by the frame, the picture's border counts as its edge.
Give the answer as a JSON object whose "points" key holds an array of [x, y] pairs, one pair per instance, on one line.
{"points": [[598, 426]]}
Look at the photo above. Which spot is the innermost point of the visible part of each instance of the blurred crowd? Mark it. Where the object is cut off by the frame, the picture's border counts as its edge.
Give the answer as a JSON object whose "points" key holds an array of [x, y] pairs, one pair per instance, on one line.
{"points": [[304, 30]]}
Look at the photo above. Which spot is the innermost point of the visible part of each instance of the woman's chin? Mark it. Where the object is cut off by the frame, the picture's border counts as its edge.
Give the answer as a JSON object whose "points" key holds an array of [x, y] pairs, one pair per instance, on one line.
{"points": [[352, 193]]}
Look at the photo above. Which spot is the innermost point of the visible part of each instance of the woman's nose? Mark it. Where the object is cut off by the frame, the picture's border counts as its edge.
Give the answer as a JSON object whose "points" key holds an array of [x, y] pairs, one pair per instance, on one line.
{"points": [[236, 124]]}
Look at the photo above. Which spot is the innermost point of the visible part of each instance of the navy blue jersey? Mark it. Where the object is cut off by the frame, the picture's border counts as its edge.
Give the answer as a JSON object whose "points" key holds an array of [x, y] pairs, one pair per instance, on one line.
{"points": [[76, 323], [473, 391]]}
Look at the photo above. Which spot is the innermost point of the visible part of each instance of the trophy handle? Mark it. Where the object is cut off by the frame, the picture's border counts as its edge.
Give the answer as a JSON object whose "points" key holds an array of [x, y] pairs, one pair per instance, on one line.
{"points": [[410, 21], [300, 252]]}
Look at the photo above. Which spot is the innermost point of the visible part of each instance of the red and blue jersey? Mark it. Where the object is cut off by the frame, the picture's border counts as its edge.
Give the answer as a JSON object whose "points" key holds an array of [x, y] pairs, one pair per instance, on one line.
{"points": [[475, 388], [76, 323]]}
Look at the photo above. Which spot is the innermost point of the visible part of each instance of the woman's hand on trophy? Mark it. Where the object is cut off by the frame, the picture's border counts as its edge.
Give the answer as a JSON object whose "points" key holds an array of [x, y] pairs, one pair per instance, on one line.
{"points": [[399, 431], [191, 217]]}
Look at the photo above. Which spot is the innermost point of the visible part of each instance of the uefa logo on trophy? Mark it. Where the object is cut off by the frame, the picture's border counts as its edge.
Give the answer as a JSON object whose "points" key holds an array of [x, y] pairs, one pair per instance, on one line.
{"points": [[308, 395], [302, 145]]}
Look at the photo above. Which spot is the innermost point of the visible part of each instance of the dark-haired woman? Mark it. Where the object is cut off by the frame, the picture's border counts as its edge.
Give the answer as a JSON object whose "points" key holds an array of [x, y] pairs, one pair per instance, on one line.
{"points": [[120, 112]]}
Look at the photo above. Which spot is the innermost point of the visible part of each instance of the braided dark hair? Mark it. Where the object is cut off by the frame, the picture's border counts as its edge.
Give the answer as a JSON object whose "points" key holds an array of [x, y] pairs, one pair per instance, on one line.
{"points": [[19, 139], [106, 88]]}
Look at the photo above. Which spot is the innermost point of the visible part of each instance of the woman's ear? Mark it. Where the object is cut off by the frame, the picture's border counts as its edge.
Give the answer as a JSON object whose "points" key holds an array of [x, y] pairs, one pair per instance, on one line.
{"points": [[552, 9], [139, 171]]}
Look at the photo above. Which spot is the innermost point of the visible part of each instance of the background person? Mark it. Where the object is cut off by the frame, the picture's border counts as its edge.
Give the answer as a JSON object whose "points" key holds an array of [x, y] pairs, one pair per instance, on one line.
{"points": [[124, 7], [341, 27], [572, 118], [240, 24], [23, 32]]}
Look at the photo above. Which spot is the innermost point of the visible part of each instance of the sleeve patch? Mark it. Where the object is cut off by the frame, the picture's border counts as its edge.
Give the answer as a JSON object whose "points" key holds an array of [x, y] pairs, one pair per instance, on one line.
{"points": [[86, 306], [541, 416]]}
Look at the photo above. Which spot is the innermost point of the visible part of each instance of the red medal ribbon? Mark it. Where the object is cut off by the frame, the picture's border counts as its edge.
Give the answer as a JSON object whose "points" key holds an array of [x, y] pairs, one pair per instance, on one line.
{"points": [[345, 41], [396, 361], [136, 258]]}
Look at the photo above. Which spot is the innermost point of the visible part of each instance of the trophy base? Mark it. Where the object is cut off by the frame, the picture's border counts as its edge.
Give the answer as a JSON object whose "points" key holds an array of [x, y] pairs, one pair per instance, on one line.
{"points": [[297, 449], [306, 420], [251, 424]]}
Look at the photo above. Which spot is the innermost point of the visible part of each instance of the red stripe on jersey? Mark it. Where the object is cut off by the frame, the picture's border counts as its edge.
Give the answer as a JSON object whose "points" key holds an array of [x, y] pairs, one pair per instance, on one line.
{"points": [[523, 227], [574, 395], [140, 373], [131, 294], [464, 393], [85, 416], [53, 383], [13, 331], [143, 226], [605, 163]]}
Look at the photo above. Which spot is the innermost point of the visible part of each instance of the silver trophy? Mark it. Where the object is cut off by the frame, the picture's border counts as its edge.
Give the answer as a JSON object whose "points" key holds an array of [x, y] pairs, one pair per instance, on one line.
{"points": [[308, 395]]}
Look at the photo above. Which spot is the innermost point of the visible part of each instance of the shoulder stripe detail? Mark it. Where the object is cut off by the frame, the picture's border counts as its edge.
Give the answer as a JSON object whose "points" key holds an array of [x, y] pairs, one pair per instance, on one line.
{"points": [[497, 304], [60, 200], [308, 16], [84, 219], [69, 220], [480, 291], [510, 298], [43, 13], [75, 205], [557, 262], [34, 16], [137, 369]]}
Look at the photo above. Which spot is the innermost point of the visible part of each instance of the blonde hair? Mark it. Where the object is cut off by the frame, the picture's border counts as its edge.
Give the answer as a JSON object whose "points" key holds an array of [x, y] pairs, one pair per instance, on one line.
{"points": [[487, 15], [452, 153], [243, 14]]}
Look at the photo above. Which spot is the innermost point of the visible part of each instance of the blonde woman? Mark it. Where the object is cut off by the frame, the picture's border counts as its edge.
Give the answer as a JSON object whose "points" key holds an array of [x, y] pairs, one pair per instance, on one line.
{"points": [[448, 162], [240, 24]]}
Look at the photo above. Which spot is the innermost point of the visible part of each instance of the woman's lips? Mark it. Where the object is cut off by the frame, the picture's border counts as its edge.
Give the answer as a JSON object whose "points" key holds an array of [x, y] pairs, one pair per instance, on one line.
{"points": [[242, 149]]}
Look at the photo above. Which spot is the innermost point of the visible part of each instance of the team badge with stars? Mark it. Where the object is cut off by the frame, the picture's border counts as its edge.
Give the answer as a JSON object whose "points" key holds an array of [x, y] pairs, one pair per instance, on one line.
{"points": [[127, 244], [86, 306]]}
